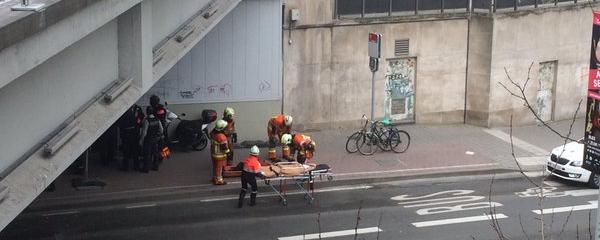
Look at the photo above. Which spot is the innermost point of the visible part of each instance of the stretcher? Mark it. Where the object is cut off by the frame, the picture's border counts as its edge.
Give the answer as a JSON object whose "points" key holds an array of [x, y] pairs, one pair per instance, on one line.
{"points": [[304, 182]]}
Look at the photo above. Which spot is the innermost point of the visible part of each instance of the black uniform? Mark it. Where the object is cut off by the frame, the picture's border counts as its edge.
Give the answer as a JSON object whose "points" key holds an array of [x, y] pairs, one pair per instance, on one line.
{"points": [[130, 125], [152, 133]]}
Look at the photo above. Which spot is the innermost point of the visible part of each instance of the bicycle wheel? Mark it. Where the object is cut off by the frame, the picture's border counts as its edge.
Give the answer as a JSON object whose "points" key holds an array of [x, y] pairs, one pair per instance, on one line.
{"points": [[351, 142], [366, 144], [399, 140], [384, 140]]}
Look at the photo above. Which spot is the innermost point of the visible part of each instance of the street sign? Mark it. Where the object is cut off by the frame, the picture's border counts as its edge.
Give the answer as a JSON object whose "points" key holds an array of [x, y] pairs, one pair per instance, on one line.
{"points": [[374, 45]]}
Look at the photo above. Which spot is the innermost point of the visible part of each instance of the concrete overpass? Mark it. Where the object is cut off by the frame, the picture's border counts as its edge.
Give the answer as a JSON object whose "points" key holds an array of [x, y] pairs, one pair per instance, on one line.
{"points": [[59, 64]]}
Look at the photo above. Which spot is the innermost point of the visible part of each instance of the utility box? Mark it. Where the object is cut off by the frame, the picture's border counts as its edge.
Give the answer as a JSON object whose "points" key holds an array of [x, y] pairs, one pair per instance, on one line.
{"points": [[295, 14]]}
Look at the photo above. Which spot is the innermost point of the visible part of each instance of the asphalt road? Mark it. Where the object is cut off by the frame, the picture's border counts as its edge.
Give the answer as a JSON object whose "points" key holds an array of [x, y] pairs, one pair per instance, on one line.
{"points": [[451, 208]]}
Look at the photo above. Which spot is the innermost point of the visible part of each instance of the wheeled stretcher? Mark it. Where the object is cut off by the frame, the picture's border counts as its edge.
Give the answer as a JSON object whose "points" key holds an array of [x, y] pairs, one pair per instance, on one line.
{"points": [[303, 181]]}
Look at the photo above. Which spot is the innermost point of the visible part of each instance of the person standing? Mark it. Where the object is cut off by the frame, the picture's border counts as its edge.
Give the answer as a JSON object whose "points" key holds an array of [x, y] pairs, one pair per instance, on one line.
{"points": [[150, 139], [230, 132], [251, 170], [276, 127], [130, 125], [219, 149]]}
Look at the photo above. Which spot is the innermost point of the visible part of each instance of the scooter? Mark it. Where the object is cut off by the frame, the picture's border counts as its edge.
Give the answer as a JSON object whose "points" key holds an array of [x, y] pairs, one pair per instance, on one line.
{"points": [[193, 133]]}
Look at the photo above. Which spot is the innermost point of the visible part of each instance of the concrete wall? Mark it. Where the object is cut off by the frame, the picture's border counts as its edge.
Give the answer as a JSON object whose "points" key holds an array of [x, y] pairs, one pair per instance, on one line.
{"points": [[312, 12], [327, 79], [478, 79], [40, 100], [533, 37], [325, 65], [238, 60], [176, 11], [250, 117]]}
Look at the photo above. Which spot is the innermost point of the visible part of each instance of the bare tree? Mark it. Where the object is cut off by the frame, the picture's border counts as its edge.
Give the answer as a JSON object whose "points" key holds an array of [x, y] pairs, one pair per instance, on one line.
{"points": [[519, 92]]}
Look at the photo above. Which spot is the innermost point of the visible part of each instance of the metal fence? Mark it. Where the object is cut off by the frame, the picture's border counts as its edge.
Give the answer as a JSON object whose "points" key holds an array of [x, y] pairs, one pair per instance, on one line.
{"points": [[379, 8]]}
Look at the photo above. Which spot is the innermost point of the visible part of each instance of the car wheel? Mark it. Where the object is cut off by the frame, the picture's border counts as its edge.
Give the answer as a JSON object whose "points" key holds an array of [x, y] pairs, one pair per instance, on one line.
{"points": [[594, 180]]}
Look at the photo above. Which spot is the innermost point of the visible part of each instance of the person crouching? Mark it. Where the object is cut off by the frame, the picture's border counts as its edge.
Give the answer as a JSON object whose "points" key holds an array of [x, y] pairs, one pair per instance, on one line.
{"points": [[250, 171]]}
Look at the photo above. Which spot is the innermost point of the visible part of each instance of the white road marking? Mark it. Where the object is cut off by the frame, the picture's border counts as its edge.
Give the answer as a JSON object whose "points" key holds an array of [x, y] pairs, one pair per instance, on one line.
{"points": [[333, 234], [551, 193], [592, 205], [60, 213], [484, 217], [582, 192], [141, 206], [517, 142], [347, 188]]}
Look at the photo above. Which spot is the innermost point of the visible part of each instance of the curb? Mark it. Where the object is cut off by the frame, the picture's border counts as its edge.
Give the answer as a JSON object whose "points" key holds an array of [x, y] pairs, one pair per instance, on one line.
{"points": [[208, 190]]}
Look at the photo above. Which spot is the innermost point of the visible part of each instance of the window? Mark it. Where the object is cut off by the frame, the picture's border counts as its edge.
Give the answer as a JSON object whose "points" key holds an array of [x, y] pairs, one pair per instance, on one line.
{"points": [[377, 6], [349, 7], [403, 6]]}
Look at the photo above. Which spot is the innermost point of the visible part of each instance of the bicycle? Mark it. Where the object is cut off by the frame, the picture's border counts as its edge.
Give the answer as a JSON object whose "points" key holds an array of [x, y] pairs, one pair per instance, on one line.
{"points": [[351, 146], [382, 135], [377, 137], [399, 140]]}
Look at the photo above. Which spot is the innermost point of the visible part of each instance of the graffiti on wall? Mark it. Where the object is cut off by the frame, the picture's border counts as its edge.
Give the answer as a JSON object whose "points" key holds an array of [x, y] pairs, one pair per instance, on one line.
{"points": [[544, 98], [399, 87]]}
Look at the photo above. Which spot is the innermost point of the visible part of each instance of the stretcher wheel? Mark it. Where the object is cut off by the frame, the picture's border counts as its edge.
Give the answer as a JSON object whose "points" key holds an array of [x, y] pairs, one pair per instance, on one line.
{"points": [[284, 202], [329, 178]]}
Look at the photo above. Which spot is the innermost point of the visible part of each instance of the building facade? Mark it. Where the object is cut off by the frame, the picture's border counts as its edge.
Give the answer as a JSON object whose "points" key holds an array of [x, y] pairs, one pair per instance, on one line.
{"points": [[437, 66]]}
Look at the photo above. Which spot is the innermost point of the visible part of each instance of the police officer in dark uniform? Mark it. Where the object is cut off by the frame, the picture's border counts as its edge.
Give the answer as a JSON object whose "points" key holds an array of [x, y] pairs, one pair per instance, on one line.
{"points": [[130, 125], [150, 139]]}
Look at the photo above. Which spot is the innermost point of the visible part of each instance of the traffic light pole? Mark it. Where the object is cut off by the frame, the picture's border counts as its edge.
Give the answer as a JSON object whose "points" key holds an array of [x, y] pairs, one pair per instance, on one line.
{"points": [[372, 95]]}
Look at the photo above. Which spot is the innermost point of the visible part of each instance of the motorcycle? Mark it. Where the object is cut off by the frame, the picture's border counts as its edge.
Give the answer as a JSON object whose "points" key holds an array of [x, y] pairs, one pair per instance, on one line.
{"points": [[193, 133]]}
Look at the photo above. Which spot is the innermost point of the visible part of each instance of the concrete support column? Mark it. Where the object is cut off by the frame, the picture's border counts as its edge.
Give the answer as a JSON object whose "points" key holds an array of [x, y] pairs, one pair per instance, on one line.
{"points": [[135, 45]]}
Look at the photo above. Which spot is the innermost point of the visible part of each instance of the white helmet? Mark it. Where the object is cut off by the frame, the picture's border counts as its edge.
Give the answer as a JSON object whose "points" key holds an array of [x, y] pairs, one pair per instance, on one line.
{"points": [[220, 125], [228, 112], [286, 139], [254, 150], [288, 120]]}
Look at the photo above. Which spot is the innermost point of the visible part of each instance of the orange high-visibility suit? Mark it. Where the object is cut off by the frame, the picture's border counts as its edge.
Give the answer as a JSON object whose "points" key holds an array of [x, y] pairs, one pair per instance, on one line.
{"points": [[219, 149], [304, 146], [275, 129], [231, 138]]}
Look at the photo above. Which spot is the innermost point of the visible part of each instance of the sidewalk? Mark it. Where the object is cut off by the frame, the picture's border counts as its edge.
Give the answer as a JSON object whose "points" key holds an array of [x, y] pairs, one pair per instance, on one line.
{"points": [[441, 149]]}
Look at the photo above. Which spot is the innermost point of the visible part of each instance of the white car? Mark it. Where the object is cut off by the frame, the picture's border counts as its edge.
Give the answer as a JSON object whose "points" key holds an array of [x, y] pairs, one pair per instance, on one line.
{"points": [[567, 164]]}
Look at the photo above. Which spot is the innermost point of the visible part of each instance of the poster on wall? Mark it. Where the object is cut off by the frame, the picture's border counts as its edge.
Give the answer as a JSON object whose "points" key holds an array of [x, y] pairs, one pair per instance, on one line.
{"points": [[400, 89], [592, 123]]}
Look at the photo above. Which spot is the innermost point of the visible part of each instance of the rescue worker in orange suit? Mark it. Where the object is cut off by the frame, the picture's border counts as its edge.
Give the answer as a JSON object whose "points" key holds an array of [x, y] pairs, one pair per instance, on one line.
{"points": [[251, 170], [230, 132], [277, 126], [219, 149], [301, 145]]}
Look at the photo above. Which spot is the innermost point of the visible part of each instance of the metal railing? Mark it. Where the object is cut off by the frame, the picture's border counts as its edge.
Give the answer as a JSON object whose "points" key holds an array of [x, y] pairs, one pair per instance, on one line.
{"points": [[382, 8]]}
